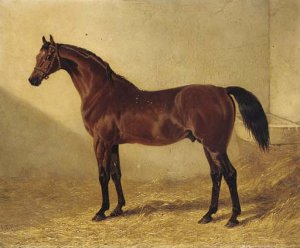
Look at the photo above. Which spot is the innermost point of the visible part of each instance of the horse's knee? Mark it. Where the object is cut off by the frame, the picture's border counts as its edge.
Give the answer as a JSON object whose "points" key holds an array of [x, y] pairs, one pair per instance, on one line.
{"points": [[232, 173], [216, 176], [115, 172], [103, 178], [216, 179], [230, 176], [116, 176]]}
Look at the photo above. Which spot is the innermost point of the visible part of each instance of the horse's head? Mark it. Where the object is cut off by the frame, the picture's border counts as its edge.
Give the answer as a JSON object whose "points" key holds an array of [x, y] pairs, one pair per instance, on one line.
{"points": [[47, 62]]}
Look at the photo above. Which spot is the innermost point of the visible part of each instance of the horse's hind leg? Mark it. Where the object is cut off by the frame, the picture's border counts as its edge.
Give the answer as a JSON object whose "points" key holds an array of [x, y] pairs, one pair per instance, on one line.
{"points": [[116, 177], [230, 175], [216, 176]]}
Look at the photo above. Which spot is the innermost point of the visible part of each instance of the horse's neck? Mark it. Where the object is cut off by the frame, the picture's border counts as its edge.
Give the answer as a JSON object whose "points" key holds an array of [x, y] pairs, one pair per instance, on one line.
{"points": [[87, 74]]}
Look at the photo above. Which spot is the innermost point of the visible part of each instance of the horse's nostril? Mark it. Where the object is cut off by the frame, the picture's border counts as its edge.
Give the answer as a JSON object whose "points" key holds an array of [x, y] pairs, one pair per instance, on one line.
{"points": [[34, 81]]}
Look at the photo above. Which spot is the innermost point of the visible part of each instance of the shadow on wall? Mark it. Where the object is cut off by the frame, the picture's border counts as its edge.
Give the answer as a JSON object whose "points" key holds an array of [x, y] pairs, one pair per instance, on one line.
{"points": [[32, 144]]}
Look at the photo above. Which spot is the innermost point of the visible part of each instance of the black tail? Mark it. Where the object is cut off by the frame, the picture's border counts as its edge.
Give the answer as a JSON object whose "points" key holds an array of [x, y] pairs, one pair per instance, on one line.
{"points": [[253, 115]]}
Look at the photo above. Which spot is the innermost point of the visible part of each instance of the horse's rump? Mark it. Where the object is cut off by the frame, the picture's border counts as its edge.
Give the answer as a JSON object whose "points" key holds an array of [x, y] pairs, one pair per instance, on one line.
{"points": [[208, 111]]}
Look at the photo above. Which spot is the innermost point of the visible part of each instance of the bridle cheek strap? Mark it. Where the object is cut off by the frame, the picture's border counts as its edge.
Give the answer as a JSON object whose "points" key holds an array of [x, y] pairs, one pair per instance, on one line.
{"points": [[46, 65]]}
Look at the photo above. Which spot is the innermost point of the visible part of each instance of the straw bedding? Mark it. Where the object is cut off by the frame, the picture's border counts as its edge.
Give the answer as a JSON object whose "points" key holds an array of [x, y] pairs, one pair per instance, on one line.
{"points": [[54, 211]]}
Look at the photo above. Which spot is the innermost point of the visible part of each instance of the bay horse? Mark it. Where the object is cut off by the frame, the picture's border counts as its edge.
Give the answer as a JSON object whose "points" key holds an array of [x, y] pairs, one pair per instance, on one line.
{"points": [[115, 112]]}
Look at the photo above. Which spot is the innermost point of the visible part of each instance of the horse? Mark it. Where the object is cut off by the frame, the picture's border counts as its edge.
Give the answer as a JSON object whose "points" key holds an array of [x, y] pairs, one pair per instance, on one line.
{"points": [[115, 112]]}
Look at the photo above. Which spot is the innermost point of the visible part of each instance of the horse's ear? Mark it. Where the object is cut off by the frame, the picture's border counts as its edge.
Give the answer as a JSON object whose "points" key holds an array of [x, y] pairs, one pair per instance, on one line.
{"points": [[44, 40], [52, 40]]}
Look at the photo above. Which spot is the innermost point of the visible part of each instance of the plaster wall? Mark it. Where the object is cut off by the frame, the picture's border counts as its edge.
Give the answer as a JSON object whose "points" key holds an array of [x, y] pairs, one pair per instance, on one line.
{"points": [[154, 44], [285, 59]]}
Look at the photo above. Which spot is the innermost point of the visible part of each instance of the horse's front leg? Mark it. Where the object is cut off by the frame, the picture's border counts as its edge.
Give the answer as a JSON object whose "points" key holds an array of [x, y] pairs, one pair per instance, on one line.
{"points": [[116, 177], [103, 154]]}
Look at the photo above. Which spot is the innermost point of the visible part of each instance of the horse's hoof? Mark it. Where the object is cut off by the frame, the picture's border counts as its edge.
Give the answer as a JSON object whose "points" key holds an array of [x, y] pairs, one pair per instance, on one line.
{"points": [[232, 223], [99, 217], [116, 212], [205, 220]]}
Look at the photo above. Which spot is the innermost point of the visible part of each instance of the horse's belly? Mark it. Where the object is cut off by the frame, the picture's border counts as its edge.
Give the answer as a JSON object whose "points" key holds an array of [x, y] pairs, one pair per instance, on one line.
{"points": [[149, 142], [143, 130]]}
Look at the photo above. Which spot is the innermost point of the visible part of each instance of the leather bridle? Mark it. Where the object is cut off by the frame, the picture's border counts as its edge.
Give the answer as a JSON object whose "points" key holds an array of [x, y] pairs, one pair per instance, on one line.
{"points": [[46, 64]]}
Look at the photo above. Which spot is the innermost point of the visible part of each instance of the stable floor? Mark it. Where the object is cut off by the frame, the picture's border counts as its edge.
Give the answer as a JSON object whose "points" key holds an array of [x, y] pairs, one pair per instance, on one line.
{"points": [[55, 211]]}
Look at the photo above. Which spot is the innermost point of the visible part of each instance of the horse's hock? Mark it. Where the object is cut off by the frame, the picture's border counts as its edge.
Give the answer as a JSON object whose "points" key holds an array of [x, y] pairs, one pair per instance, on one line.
{"points": [[282, 131]]}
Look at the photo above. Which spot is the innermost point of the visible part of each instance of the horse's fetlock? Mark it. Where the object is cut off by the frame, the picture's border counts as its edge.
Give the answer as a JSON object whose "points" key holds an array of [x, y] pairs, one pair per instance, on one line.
{"points": [[213, 209], [121, 203], [237, 210]]}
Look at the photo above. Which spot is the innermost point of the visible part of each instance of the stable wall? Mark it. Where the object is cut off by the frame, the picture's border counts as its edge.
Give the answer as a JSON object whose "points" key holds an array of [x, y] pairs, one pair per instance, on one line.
{"points": [[285, 59], [154, 44]]}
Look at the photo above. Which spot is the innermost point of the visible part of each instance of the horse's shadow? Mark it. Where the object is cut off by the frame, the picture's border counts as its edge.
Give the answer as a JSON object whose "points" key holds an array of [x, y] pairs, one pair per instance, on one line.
{"points": [[258, 207], [165, 206]]}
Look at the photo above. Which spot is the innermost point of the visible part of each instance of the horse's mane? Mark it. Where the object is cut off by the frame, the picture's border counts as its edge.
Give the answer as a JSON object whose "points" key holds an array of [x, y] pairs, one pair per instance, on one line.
{"points": [[104, 64]]}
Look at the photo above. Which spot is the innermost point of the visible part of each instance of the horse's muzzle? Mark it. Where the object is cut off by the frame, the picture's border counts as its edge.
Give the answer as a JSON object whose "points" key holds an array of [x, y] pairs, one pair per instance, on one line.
{"points": [[35, 81]]}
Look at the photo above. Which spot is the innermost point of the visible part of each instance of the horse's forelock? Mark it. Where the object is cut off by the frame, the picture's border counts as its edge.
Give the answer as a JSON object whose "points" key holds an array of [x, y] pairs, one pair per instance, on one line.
{"points": [[46, 45]]}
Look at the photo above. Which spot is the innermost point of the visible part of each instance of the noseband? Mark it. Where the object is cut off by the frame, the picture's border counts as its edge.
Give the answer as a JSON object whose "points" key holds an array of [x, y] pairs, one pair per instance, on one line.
{"points": [[46, 65]]}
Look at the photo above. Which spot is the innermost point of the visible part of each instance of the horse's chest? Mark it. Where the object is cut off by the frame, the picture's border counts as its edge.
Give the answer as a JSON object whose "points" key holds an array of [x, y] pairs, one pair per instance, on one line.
{"points": [[101, 125], [91, 118], [88, 128], [94, 103]]}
